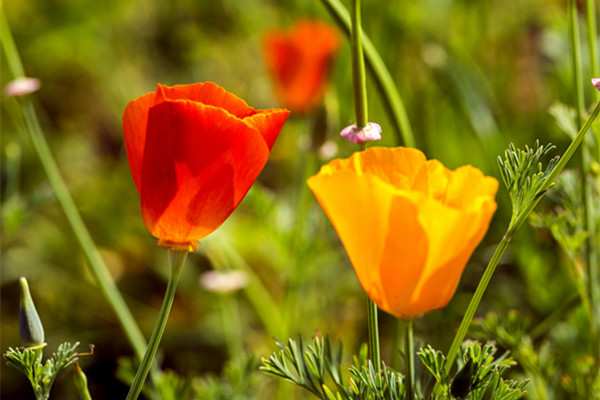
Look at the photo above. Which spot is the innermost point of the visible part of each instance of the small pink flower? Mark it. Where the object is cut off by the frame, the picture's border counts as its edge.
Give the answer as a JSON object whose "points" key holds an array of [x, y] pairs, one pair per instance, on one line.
{"points": [[368, 133], [22, 86], [223, 281], [596, 83]]}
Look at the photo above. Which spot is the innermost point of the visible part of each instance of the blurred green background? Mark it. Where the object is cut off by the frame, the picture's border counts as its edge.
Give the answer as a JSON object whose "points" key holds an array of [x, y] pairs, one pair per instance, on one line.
{"points": [[475, 76]]}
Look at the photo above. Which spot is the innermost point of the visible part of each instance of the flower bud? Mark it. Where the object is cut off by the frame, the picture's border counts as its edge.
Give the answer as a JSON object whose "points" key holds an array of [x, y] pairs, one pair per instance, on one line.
{"points": [[368, 133], [30, 325]]}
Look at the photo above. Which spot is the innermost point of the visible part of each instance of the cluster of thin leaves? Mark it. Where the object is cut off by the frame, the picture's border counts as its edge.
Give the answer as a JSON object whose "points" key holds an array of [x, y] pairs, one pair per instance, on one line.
{"points": [[41, 375], [479, 376], [548, 353], [317, 368], [525, 177], [565, 219]]}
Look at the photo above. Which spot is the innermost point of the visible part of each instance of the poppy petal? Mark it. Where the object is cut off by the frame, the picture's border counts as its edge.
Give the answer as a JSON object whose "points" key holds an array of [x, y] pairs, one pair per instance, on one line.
{"points": [[403, 258], [135, 118], [195, 176], [207, 93], [358, 208], [269, 123]]}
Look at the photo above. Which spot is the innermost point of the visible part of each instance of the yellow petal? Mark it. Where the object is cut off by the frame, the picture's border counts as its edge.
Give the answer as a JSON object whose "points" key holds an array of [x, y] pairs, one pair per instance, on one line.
{"points": [[404, 257], [358, 208], [452, 235], [396, 166]]}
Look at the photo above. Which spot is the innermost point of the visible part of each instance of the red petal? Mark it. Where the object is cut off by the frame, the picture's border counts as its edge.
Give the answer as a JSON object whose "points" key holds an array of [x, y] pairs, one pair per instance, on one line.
{"points": [[299, 61], [135, 117], [199, 162], [282, 57], [206, 93], [269, 123]]}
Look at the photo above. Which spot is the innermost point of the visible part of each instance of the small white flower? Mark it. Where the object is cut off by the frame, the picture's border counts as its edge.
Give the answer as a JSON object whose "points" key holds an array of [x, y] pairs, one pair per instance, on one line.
{"points": [[22, 86], [596, 83], [328, 150], [368, 133], [223, 281]]}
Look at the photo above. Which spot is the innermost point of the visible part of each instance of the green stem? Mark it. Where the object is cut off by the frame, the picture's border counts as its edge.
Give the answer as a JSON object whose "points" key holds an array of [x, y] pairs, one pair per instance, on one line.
{"points": [[95, 261], [385, 84], [373, 325], [361, 107], [513, 226], [573, 146], [592, 32], [267, 308], [589, 218], [232, 328], [476, 299], [410, 361], [176, 261], [358, 69]]}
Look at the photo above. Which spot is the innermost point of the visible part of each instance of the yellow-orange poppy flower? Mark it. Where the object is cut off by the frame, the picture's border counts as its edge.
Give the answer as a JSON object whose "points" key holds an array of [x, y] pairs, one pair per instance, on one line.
{"points": [[408, 224]]}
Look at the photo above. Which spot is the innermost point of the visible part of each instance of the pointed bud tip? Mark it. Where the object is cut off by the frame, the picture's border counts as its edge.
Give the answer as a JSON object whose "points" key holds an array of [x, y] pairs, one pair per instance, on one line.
{"points": [[30, 325]]}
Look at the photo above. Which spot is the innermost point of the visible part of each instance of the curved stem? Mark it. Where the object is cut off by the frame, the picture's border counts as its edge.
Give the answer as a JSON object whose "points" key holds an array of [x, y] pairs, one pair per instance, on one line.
{"points": [[409, 350], [373, 325], [177, 261], [476, 299], [385, 84], [501, 248], [96, 263]]}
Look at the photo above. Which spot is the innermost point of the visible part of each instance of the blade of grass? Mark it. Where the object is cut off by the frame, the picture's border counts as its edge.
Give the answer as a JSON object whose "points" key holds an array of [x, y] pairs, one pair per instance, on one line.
{"points": [[95, 261], [589, 218]]}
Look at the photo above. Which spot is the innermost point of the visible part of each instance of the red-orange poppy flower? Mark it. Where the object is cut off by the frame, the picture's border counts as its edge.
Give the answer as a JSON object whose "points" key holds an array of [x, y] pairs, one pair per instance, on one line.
{"points": [[194, 151], [299, 62]]}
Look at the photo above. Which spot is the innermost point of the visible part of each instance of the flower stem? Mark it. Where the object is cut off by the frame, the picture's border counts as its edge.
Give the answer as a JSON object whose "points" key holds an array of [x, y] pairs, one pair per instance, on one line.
{"points": [[358, 68], [476, 299], [361, 108], [382, 77], [373, 325], [589, 219], [503, 245], [409, 350], [95, 261], [176, 261]]}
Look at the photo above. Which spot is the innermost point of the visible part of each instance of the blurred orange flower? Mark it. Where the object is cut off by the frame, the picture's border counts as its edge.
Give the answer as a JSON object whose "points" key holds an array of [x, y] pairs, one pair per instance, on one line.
{"points": [[299, 62], [194, 151], [408, 224]]}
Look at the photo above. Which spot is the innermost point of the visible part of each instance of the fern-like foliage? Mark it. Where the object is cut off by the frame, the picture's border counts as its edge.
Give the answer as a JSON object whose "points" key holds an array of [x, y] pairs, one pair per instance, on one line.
{"points": [[479, 376], [316, 367], [41, 375], [525, 177]]}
